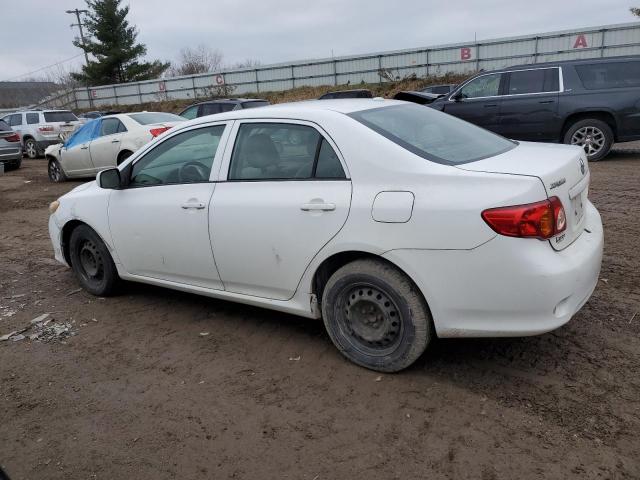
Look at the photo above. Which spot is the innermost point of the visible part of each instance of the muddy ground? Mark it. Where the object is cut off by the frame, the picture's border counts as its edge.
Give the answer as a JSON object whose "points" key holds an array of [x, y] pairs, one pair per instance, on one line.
{"points": [[139, 393]]}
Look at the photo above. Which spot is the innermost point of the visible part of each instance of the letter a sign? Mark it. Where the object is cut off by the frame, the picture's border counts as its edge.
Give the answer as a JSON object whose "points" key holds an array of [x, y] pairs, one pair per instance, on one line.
{"points": [[581, 42]]}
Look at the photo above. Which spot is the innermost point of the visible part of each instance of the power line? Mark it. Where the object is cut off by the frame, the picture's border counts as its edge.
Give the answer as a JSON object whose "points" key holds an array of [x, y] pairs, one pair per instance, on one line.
{"points": [[43, 68]]}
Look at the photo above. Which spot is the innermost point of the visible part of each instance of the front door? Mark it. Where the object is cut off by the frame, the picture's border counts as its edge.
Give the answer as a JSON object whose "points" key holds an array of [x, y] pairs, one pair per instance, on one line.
{"points": [[284, 194], [160, 222], [478, 101], [104, 149]]}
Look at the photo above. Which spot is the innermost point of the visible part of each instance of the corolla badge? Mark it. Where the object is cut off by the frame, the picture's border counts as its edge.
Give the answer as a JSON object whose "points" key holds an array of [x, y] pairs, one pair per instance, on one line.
{"points": [[582, 167]]}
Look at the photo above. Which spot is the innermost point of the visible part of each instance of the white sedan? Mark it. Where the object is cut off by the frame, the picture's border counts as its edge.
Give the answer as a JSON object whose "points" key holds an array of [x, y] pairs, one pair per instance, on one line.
{"points": [[392, 222], [105, 142]]}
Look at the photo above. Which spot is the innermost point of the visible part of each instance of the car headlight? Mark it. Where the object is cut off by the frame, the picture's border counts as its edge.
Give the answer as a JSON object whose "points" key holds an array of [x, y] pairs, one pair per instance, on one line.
{"points": [[53, 206]]}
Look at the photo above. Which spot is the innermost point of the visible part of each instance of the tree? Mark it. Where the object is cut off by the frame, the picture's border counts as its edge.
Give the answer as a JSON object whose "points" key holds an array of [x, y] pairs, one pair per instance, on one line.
{"points": [[112, 44], [635, 11], [201, 59]]}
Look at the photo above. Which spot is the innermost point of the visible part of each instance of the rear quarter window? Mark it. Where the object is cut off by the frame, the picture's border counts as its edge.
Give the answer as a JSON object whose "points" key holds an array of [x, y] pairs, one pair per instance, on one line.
{"points": [[609, 75]]}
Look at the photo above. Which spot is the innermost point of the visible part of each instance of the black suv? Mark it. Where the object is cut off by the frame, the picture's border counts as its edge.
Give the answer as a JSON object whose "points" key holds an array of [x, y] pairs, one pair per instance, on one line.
{"points": [[592, 103], [211, 107]]}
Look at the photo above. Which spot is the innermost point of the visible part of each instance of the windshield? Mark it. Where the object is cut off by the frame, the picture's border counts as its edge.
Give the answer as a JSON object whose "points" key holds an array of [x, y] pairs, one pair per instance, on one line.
{"points": [[59, 117], [433, 135], [147, 118]]}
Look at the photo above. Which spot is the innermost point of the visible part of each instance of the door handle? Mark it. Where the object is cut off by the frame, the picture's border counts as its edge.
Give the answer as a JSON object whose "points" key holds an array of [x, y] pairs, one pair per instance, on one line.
{"points": [[193, 205], [547, 101], [491, 105], [84, 147], [323, 207], [115, 141]]}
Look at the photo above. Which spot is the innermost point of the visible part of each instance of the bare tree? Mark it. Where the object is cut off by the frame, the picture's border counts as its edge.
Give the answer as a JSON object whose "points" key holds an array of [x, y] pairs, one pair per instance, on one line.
{"points": [[200, 59], [635, 11], [248, 63]]}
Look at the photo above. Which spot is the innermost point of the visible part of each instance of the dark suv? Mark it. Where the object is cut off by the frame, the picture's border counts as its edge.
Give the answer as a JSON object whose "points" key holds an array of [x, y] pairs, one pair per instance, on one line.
{"points": [[592, 103], [219, 106]]}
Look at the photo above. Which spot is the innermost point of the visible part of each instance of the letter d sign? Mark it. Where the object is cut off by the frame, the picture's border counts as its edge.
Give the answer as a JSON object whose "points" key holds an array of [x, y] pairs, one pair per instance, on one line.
{"points": [[465, 53]]}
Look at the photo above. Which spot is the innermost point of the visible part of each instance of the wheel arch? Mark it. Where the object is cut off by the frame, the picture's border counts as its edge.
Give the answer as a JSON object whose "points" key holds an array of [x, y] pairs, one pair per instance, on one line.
{"points": [[332, 263], [65, 237], [599, 114]]}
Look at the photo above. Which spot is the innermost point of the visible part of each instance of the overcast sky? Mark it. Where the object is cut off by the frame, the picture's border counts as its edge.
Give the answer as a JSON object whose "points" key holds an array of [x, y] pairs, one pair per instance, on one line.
{"points": [[36, 33]]}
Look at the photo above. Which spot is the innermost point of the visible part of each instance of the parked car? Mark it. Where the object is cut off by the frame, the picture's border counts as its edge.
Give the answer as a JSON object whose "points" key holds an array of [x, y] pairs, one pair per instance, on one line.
{"points": [[391, 221], [10, 148], [439, 89], [591, 103], [356, 93], [86, 116], [421, 98], [41, 128], [105, 142], [212, 107]]}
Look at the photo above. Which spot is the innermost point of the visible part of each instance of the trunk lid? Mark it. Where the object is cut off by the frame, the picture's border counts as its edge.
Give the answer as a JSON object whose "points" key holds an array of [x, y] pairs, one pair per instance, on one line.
{"points": [[562, 169]]}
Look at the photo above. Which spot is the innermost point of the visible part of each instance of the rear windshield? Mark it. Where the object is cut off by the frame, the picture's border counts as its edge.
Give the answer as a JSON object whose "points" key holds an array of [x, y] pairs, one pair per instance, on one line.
{"points": [[147, 118], [609, 75], [59, 117], [433, 135], [257, 103]]}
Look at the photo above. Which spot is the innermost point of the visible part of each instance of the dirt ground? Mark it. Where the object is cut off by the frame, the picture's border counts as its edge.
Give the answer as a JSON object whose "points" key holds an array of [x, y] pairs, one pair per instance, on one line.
{"points": [[139, 393]]}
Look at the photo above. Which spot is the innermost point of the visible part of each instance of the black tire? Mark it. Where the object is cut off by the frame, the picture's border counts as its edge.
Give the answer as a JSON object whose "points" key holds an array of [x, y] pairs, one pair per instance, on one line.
{"points": [[31, 148], [595, 136], [376, 316], [92, 263], [55, 171], [13, 166], [123, 156]]}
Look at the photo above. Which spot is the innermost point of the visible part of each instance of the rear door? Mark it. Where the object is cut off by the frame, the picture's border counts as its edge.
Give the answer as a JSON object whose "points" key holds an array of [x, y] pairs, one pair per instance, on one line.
{"points": [[283, 194], [529, 106], [479, 102], [104, 149]]}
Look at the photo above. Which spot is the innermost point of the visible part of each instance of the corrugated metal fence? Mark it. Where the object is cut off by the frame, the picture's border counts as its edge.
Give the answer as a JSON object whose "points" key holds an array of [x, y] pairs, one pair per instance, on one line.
{"points": [[604, 41]]}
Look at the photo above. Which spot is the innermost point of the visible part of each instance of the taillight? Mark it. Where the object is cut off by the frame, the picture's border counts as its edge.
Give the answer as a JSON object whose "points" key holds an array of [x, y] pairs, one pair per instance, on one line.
{"points": [[12, 138], [541, 220], [157, 131], [46, 128]]}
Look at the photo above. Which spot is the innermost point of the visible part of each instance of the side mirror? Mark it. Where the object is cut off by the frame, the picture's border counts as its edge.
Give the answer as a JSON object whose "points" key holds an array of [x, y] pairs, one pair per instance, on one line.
{"points": [[109, 178], [456, 97]]}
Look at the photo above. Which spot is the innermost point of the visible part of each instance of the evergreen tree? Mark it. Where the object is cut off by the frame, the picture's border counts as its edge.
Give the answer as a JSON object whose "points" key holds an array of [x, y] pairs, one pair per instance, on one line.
{"points": [[112, 44]]}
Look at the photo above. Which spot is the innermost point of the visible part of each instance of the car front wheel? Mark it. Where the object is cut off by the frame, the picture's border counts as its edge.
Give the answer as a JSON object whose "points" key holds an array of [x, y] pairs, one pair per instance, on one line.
{"points": [[92, 263], [593, 135], [56, 173], [376, 316]]}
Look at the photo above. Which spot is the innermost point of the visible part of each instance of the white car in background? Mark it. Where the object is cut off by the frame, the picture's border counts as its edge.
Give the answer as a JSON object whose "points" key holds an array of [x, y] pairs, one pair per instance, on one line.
{"points": [[105, 142], [391, 221]]}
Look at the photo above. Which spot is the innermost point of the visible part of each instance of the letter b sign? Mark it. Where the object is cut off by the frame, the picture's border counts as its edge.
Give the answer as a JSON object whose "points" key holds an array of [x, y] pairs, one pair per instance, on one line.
{"points": [[465, 53]]}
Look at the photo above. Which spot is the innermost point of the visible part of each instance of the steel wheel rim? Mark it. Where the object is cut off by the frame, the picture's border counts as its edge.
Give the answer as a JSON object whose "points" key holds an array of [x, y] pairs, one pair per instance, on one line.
{"points": [[91, 261], [31, 149], [591, 139], [371, 320]]}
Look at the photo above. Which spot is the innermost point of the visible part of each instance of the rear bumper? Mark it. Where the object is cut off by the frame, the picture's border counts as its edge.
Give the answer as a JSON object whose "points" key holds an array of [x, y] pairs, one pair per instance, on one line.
{"points": [[508, 286], [10, 155]]}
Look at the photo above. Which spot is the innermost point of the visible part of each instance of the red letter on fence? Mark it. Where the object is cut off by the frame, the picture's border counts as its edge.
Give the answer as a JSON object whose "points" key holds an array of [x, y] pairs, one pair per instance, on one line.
{"points": [[581, 42], [465, 53]]}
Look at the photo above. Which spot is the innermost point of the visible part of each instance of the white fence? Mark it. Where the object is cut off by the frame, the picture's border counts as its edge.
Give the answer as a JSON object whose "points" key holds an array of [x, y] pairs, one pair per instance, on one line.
{"points": [[604, 41]]}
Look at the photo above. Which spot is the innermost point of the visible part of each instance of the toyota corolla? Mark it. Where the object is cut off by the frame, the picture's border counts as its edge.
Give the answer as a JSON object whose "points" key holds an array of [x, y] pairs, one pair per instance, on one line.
{"points": [[392, 222]]}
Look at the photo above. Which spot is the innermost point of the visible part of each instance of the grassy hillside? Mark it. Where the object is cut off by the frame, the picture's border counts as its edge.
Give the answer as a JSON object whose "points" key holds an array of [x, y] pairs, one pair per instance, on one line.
{"points": [[387, 90]]}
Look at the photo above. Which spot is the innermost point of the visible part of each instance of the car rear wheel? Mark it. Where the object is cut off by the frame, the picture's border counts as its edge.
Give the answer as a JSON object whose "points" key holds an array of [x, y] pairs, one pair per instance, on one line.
{"points": [[593, 135], [56, 173], [92, 263], [376, 316], [31, 148]]}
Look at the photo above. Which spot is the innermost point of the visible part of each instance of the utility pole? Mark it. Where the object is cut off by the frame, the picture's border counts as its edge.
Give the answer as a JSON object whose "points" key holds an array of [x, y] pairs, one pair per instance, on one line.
{"points": [[77, 13]]}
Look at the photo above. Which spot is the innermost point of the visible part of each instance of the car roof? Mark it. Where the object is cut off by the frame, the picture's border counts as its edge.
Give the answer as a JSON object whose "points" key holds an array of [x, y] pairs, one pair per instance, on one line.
{"points": [[300, 110], [567, 62], [230, 100]]}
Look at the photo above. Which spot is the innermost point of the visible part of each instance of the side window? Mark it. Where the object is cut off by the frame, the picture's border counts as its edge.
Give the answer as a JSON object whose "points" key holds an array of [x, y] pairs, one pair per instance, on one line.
{"points": [[485, 86], [121, 127], [183, 158], [270, 151], [190, 113], [110, 126], [209, 109], [609, 75], [16, 119], [227, 107], [328, 165], [533, 81], [32, 118]]}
